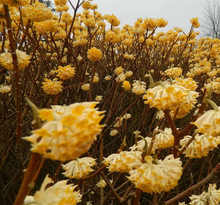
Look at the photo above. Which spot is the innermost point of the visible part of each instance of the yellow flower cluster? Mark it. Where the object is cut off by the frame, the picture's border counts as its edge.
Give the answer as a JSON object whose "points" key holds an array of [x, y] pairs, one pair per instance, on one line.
{"points": [[200, 146], [165, 96], [164, 139], [65, 72], [7, 62], [195, 22], [37, 12], [52, 87], [209, 123], [79, 168], [57, 194], [211, 197], [15, 3], [123, 161], [5, 89], [69, 135], [173, 72], [94, 54], [156, 176], [46, 26]]}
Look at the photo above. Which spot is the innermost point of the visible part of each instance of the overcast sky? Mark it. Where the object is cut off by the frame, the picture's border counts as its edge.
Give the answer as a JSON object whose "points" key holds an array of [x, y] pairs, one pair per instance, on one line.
{"points": [[176, 12]]}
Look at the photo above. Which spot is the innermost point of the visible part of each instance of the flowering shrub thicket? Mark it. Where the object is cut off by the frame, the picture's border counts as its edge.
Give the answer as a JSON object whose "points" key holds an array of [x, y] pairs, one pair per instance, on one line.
{"points": [[118, 115]]}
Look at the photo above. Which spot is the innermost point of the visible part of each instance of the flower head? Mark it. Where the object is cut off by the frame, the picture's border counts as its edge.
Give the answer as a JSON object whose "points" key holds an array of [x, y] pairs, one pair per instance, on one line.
{"points": [[200, 146], [209, 123], [69, 135], [59, 193], [65, 73], [94, 54], [52, 87], [157, 175], [139, 87], [211, 197], [79, 168], [165, 96], [7, 62], [123, 161]]}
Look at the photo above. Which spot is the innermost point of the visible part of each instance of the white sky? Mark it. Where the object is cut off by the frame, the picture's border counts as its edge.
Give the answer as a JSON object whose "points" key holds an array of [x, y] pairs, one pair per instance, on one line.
{"points": [[176, 12]]}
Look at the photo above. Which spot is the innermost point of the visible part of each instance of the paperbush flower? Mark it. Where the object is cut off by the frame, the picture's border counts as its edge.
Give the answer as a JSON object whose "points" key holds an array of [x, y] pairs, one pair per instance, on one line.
{"points": [[139, 87], [209, 123], [211, 197], [126, 85], [173, 72], [57, 194], [52, 87], [165, 96], [5, 89], [94, 54], [37, 12], [164, 139], [195, 22], [85, 86], [200, 146], [123, 161], [65, 72], [69, 135], [101, 184], [157, 175], [79, 168], [7, 62], [184, 108]]}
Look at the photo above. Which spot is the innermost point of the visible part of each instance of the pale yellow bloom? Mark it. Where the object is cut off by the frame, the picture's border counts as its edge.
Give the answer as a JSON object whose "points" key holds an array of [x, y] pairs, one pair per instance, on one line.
{"points": [[123, 161], [211, 197], [165, 96], [52, 87], [7, 62], [139, 87], [79, 168], [209, 123], [85, 86], [68, 135], [156, 176], [200, 146], [5, 89], [57, 194], [173, 72]]}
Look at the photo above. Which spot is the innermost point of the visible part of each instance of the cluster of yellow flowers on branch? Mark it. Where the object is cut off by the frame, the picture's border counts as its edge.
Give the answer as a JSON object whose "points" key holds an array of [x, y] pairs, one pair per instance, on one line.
{"points": [[121, 113]]}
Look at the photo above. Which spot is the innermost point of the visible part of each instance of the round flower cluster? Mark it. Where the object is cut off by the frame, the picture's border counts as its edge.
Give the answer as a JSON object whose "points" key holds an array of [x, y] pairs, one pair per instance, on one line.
{"points": [[157, 175], [59, 193], [37, 12], [211, 197], [200, 146], [52, 87], [209, 123], [164, 139], [165, 96], [185, 107], [123, 161], [65, 72], [5, 89], [139, 87], [69, 135], [79, 168], [173, 72], [94, 54], [7, 62]]}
